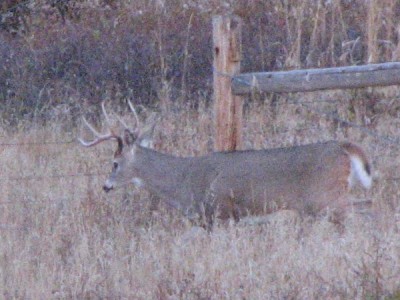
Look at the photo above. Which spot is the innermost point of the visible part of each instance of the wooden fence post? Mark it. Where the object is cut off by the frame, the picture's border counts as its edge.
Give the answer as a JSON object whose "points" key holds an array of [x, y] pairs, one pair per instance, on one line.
{"points": [[228, 107]]}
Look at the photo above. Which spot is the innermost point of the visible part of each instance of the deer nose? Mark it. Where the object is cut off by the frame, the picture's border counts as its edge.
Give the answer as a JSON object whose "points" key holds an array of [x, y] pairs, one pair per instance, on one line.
{"points": [[107, 188]]}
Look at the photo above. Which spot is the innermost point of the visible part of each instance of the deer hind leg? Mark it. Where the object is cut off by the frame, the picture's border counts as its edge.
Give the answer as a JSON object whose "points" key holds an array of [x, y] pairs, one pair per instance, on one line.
{"points": [[207, 210], [335, 196], [220, 203]]}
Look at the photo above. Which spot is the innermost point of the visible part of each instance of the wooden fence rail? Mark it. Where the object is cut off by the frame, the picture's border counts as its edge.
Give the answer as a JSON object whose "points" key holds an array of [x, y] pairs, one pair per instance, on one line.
{"points": [[318, 79], [230, 85]]}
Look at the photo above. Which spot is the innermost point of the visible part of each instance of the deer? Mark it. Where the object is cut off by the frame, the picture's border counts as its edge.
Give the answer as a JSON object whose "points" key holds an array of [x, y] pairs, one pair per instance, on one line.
{"points": [[307, 178]]}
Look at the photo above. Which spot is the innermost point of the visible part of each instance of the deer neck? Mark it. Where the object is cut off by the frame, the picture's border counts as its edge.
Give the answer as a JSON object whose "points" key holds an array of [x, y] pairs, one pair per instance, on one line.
{"points": [[160, 173]]}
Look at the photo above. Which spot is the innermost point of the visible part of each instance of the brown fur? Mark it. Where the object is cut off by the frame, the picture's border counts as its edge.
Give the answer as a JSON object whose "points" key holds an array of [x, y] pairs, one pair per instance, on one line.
{"points": [[309, 179]]}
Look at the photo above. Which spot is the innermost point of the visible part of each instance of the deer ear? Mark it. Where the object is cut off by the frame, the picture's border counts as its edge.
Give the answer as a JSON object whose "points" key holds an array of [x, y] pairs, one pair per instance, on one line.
{"points": [[145, 139], [129, 137]]}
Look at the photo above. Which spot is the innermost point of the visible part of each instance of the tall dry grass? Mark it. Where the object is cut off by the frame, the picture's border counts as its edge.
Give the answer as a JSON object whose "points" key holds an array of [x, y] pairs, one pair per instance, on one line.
{"points": [[73, 54], [62, 237]]}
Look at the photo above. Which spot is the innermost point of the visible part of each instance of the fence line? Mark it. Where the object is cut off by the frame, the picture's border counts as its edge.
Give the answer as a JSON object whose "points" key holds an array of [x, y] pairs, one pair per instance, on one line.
{"points": [[385, 139], [37, 143], [57, 176], [41, 177], [329, 115], [38, 177], [333, 116]]}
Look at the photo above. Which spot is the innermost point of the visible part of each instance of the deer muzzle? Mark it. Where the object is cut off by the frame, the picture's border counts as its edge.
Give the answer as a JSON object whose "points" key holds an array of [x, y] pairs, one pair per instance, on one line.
{"points": [[107, 188]]}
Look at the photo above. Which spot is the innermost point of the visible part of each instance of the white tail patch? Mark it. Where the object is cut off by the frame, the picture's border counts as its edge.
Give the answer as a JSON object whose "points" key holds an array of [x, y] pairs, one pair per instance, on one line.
{"points": [[146, 143], [358, 172]]}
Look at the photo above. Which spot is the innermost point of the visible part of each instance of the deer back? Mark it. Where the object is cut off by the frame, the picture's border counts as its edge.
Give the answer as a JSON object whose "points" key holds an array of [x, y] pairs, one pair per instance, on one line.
{"points": [[306, 178]]}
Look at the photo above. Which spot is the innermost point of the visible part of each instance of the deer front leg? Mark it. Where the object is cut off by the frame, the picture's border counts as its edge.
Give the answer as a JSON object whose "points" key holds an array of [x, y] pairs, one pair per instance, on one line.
{"points": [[208, 210], [221, 202]]}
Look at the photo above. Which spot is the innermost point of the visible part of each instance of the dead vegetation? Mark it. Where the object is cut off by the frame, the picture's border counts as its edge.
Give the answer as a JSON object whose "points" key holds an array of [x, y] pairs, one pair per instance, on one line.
{"points": [[160, 51], [62, 237]]}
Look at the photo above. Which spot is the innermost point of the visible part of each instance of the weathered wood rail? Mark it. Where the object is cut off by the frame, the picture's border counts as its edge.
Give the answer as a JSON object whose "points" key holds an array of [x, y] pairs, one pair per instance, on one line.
{"points": [[230, 85], [318, 79]]}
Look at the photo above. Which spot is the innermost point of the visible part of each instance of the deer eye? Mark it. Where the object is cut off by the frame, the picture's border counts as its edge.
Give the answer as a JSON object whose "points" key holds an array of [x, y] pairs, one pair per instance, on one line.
{"points": [[115, 166]]}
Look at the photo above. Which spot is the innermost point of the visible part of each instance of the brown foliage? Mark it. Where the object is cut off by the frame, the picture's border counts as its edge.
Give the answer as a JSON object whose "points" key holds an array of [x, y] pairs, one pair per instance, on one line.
{"points": [[54, 51]]}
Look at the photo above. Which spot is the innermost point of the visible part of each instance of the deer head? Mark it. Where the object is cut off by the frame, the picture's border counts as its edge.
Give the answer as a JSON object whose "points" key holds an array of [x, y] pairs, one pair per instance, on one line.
{"points": [[123, 166]]}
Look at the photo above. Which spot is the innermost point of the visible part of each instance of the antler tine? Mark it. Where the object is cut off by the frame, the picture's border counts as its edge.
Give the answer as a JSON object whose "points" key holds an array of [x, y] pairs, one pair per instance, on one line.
{"points": [[103, 108], [92, 129], [98, 140], [102, 137], [99, 137], [134, 112], [123, 123]]}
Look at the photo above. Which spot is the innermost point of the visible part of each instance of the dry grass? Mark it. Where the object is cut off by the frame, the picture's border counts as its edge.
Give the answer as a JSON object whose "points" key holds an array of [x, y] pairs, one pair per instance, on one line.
{"points": [[62, 237], [160, 51]]}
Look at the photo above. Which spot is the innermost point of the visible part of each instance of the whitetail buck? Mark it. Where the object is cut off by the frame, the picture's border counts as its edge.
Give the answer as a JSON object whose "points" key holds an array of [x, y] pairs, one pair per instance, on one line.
{"points": [[308, 178]]}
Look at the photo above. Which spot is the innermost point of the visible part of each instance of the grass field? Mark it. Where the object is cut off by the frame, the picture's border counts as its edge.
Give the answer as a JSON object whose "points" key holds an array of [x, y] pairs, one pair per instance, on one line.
{"points": [[62, 237]]}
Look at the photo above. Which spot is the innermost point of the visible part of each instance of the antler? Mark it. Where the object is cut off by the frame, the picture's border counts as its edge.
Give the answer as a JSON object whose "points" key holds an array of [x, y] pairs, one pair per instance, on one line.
{"points": [[134, 113], [102, 137], [132, 108]]}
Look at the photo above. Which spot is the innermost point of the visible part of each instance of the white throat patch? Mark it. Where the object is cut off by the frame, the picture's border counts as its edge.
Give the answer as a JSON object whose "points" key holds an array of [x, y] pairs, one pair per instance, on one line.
{"points": [[138, 182], [146, 143]]}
